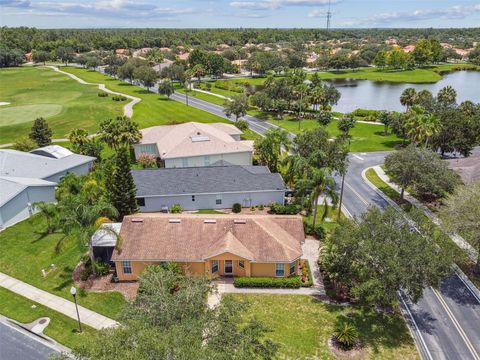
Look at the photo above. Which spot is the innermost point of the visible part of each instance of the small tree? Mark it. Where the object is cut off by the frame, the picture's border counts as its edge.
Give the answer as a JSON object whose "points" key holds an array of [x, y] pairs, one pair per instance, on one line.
{"points": [[49, 212], [324, 117], [346, 335], [166, 88], [122, 190], [40, 56], [346, 123], [41, 132], [242, 125], [385, 117], [119, 132], [146, 75], [237, 105]]}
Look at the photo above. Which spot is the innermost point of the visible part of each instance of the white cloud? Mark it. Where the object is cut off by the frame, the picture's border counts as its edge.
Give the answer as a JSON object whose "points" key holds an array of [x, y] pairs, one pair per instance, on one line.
{"points": [[453, 12], [277, 4], [123, 9]]}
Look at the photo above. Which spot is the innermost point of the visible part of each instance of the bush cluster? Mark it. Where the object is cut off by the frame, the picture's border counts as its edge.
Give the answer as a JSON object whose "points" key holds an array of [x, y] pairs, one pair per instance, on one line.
{"points": [[230, 86], [366, 115], [279, 209], [306, 277], [101, 269], [236, 208], [102, 94], [176, 209], [292, 282], [119, 98], [318, 231]]}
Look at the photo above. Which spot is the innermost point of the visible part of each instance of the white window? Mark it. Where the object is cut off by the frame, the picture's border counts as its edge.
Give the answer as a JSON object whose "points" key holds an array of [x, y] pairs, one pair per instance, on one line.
{"points": [[206, 160], [218, 200], [279, 270], [126, 267], [292, 268], [241, 264], [214, 266], [184, 162]]}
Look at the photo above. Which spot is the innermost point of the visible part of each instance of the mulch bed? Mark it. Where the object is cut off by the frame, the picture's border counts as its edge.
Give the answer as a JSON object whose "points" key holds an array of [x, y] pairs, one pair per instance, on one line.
{"points": [[104, 284], [357, 352]]}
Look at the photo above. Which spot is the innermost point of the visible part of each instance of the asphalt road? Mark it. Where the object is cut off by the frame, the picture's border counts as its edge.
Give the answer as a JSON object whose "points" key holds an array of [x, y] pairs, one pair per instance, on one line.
{"points": [[18, 344]]}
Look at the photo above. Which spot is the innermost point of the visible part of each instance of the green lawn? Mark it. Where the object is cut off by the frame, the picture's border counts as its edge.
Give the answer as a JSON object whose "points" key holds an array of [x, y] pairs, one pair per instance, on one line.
{"points": [[365, 137], [331, 214], [208, 211], [302, 326], [25, 250], [61, 328], [154, 109], [34, 92], [373, 177]]}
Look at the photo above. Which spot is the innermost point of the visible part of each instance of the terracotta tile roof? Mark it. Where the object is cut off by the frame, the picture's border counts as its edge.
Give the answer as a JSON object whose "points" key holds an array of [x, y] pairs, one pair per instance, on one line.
{"points": [[175, 141], [197, 237]]}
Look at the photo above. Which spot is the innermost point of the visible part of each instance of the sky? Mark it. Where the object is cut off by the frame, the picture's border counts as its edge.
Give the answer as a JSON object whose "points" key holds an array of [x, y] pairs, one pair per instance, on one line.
{"points": [[239, 13]]}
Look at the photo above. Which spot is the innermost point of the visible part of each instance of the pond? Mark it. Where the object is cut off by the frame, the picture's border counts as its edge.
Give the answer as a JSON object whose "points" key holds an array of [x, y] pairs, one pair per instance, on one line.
{"points": [[367, 94]]}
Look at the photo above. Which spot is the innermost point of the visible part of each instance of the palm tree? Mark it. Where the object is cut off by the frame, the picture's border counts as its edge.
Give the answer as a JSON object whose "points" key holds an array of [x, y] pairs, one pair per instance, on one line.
{"points": [[408, 97], [346, 335], [320, 181], [81, 219], [421, 125], [50, 213], [447, 96]]}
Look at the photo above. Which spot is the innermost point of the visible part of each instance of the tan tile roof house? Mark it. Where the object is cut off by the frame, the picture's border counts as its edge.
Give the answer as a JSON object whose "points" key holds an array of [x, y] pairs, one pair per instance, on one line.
{"points": [[195, 144], [251, 245]]}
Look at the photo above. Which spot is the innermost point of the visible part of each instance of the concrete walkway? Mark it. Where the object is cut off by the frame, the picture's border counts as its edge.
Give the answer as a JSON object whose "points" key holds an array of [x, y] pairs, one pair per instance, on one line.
{"points": [[57, 303], [127, 109], [311, 252], [460, 241]]}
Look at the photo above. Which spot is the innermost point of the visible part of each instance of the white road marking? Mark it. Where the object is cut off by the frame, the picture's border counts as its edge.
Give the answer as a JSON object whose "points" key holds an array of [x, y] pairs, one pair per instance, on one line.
{"points": [[456, 324], [358, 157], [417, 330], [357, 194]]}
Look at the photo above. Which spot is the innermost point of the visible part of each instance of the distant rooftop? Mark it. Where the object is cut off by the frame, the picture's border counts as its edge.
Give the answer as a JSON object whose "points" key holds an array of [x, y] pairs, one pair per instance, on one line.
{"points": [[195, 139]]}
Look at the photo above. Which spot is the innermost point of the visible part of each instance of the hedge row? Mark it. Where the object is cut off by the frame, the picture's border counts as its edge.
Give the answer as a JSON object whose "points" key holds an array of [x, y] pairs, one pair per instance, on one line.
{"points": [[307, 272], [290, 209], [292, 282]]}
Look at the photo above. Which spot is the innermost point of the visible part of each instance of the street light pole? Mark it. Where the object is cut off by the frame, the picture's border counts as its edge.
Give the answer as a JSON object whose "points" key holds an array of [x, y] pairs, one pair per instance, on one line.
{"points": [[73, 291]]}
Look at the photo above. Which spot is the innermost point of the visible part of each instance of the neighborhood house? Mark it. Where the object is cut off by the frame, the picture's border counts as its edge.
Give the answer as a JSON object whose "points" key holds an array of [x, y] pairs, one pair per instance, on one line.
{"points": [[26, 178], [218, 186], [224, 245], [195, 144]]}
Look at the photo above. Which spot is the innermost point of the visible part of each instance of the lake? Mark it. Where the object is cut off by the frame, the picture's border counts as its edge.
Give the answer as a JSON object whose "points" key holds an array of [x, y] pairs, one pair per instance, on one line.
{"points": [[367, 94]]}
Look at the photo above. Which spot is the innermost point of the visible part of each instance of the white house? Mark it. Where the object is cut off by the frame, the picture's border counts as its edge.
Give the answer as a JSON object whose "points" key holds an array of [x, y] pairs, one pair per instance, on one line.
{"points": [[195, 144], [26, 178]]}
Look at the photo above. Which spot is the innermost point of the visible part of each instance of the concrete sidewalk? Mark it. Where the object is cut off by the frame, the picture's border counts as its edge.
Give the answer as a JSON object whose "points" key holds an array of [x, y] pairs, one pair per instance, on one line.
{"points": [[57, 303]]}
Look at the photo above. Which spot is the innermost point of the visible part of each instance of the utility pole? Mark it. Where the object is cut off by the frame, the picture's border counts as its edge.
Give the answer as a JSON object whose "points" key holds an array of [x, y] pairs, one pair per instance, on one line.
{"points": [[329, 15]]}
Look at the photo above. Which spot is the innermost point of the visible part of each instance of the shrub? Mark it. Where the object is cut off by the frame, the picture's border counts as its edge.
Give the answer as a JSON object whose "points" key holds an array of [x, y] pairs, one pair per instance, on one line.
{"points": [[208, 86], [307, 279], [292, 282], [242, 124], [236, 208], [147, 160], [253, 208], [101, 269], [346, 335], [24, 144], [119, 98], [290, 209], [365, 113], [261, 207], [102, 94], [318, 231], [176, 209]]}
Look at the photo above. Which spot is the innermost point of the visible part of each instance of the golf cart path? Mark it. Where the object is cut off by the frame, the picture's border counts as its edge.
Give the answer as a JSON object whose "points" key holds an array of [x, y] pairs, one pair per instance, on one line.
{"points": [[127, 109]]}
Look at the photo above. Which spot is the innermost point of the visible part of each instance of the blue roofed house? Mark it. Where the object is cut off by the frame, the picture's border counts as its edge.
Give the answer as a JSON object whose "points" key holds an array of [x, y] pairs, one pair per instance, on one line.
{"points": [[29, 177]]}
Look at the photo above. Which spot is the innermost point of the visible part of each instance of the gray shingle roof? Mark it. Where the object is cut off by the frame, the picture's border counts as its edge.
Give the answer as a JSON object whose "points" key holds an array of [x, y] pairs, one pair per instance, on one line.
{"points": [[207, 179]]}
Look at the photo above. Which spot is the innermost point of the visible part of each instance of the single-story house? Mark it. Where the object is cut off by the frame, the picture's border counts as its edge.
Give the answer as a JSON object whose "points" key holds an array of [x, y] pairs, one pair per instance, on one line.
{"points": [[225, 245], [104, 241], [195, 144], [218, 186], [26, 178]]}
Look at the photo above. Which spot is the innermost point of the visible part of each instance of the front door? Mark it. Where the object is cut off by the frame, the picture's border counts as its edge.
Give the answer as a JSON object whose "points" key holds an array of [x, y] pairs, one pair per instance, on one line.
{"points": [[228, 267]]}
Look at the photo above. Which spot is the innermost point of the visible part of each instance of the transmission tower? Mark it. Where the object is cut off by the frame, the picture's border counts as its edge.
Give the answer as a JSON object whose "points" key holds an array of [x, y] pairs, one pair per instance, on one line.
{"points": [[329, 15]]}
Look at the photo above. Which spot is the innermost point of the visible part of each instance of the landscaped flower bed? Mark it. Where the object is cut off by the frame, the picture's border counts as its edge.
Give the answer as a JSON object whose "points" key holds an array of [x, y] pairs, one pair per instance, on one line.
{"points": [[306, 277], [292, 282]]}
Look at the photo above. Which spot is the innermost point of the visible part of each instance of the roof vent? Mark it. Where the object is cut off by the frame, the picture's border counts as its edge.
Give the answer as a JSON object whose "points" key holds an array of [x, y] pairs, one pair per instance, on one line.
{"points": [[239, 221], [174, 221], [209, 221], [137, 220]]}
